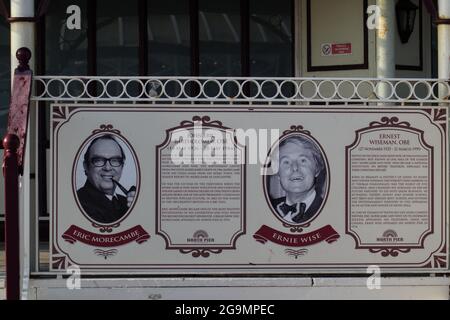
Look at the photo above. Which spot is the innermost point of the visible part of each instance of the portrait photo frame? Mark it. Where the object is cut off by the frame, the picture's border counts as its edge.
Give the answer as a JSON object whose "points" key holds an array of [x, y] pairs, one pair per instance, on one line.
{"points": [[130, 177], [273, 189]]}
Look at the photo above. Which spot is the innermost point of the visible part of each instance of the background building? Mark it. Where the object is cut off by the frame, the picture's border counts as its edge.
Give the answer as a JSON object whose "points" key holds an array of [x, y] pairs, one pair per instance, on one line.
{"points": [[234, 38]]}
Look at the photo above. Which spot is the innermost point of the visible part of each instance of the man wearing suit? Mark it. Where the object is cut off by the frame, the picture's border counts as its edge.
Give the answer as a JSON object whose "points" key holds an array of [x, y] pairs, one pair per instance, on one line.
{"points": [[103, 164], [300, 163]]}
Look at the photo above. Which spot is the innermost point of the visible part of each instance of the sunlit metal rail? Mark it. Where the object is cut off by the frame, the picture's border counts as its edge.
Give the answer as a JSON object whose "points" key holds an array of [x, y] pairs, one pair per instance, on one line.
{"points": [[238, 90]]}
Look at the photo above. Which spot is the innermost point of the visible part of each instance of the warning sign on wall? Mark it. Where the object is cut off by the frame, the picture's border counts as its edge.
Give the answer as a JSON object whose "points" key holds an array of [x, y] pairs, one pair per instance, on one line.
{"points": [[334, 49]]}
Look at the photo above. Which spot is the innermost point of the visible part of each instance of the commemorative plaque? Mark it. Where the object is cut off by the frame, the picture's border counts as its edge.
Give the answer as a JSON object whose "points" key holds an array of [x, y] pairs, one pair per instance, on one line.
{"points": [[390, 187], [200, 200], [273, 190]]}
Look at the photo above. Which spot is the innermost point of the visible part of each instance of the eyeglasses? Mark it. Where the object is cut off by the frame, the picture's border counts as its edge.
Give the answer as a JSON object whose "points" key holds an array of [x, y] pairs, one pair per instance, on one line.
{"points": [[100, 162]]}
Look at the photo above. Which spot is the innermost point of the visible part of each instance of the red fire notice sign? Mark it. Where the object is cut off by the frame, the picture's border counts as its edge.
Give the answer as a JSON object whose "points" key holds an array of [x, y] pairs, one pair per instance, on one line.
{"points": [[333, 49], [341, 48]]}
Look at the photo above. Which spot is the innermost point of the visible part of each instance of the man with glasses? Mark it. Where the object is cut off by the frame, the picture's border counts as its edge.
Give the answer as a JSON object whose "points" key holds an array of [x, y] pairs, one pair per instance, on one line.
{"points": [[103, 164]]}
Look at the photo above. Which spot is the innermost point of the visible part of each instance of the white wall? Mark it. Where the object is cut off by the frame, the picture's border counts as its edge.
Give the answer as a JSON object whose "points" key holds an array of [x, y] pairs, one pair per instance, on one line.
{"points": [[340, 22], [335, 22]]}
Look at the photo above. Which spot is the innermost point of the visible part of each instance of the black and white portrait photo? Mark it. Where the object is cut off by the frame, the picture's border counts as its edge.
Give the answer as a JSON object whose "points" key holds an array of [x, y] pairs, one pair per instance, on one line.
{"points": [[297, 184], [106, 178]]}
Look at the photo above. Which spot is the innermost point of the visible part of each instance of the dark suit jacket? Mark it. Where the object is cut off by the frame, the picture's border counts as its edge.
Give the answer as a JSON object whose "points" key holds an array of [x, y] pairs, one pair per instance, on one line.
{"points": [[315, 205], [99, 207]]}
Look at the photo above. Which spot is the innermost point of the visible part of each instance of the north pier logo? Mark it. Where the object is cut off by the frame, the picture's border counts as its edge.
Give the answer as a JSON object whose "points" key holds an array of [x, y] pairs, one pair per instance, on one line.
{"points": [[390, 236], [200, 236]]}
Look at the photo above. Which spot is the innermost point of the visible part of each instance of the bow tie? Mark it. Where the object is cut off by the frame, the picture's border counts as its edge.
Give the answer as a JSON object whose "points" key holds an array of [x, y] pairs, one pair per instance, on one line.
{"points": [[293, 208]]}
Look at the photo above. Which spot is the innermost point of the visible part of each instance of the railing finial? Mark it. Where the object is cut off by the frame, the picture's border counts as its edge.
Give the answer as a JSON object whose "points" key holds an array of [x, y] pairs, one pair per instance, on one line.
{"points": [[11, 142], [23, 55]]}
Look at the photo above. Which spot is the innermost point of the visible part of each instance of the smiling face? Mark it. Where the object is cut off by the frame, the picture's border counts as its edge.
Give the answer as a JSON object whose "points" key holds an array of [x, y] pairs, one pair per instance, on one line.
{"points": [[101, 176], [297, 170]]}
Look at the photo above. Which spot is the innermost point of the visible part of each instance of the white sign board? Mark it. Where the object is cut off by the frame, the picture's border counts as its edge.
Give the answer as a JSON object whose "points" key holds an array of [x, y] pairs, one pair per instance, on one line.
{"points": [[170, 189]]}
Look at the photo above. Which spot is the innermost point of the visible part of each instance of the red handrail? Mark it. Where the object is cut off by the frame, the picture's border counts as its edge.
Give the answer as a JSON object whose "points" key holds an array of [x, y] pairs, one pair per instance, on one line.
{"points": [[11, 174], [13, 163]]}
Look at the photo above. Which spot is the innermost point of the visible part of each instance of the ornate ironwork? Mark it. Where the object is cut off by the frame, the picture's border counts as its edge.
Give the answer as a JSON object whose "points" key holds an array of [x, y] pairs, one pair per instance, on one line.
{"points": [[231, 90]]}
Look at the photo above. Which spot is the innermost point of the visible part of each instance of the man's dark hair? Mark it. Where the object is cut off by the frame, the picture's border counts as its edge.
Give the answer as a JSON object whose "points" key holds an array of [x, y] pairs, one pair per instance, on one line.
{"points": [[103, 137]]}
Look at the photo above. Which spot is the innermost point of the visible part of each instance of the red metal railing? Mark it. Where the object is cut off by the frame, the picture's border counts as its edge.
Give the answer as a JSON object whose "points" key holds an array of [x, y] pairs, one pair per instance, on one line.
{"points": [[11, 173], [13, 161]]}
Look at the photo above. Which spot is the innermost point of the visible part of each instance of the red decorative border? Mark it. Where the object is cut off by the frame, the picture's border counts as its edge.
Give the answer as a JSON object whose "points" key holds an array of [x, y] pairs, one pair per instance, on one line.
{"points": [[326, 233], [293, 131], [439, 116], [106, 253], [192, 268], [75, 233], [389, 249], [61, 114], [204, 252], [199, 250], [60, 261], [106, 129]]}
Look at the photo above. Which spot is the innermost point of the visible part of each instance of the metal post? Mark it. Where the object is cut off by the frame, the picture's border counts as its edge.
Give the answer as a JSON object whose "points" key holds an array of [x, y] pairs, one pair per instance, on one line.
{"points": [[443, 44], [22, 22], [386, 45], [11, 175]]}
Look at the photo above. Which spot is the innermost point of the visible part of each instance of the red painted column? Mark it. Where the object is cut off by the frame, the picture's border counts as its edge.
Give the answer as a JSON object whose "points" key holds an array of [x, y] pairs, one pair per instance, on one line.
{"points": [[11, 175]]}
